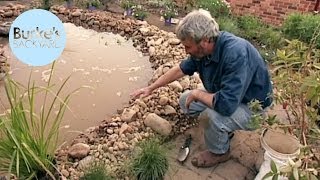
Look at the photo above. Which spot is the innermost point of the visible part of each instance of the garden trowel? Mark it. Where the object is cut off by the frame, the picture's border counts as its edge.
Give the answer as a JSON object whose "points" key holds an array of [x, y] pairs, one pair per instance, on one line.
{"points": [[184, 150]]}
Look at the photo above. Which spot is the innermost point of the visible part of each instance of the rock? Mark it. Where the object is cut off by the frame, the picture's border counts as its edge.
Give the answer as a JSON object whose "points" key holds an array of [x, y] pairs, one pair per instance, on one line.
{"points": [[128, 115], [185, 83], [158, 124], [109, 131], [79, 150], [176, 86], [144, 31], [169, 110], [174, 41], [76, 14], [65, 173], [163, 100], [152, 50], [85, 162], [83, 17], [124, 128], [159, 41], [8, 13]]}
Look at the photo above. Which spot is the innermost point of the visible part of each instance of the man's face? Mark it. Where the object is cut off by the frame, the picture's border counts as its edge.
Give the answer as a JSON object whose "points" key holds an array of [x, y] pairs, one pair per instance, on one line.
{"points": [[196, 50]]}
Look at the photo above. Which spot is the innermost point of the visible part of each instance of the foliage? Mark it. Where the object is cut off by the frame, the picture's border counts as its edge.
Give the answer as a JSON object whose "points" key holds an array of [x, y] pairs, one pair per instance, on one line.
{"points": [[301, 26], [140, 13], [217, 8], [46, 4], [127, 4], [228, 24], [169, 10], [297, 81], [95, 3], [150, 162], [251, 26], [258, 117], [96, 171], [29, 139], [271, 38]]}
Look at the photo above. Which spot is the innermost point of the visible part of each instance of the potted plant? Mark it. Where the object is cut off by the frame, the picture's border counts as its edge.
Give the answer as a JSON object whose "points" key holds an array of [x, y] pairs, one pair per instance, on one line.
{"points": [[68, 3], [128, 6], [169, 12], [93, 5], [139, 13]]}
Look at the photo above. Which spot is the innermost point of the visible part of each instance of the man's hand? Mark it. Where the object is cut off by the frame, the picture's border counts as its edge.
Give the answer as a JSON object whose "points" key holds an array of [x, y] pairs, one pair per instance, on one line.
{"points": [[143, 92], [193, 96], [201, 96]]}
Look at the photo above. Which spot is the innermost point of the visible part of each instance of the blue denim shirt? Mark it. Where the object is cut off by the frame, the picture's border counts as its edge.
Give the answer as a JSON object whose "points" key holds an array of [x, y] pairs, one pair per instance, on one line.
{"points": [[235, 72]]}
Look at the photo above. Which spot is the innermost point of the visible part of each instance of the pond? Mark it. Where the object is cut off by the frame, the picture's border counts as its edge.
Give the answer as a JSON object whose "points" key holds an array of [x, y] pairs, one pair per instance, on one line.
{"points": [[107, 68]]}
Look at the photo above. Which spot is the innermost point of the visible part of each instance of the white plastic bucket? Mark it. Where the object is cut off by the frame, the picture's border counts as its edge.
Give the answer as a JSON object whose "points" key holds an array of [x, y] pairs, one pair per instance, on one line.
{"points": [[280, 159]]}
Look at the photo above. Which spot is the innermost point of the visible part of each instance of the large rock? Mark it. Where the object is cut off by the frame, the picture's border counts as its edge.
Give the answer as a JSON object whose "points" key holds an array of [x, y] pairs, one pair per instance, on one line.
{"points": [[128, 115], [176, 86], [79, 150], [158, 124]]}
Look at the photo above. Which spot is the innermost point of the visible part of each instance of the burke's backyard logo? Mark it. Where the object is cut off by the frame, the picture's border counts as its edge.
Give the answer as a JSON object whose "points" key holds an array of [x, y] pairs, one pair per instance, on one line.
{"points": [[37, 37]]}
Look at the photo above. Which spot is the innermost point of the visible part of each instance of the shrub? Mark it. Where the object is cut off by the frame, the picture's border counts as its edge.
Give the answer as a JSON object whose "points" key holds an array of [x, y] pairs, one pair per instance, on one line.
{"points": [[302, 27], [271, 38], [28, 138], [97, 171], [217, 8], [229, 25], [150, 162], [251, 26]]}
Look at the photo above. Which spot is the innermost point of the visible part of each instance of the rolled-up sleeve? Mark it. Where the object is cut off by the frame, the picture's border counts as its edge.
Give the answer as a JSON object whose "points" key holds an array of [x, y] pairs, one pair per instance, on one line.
{"points": [[234, 83], [188, 66]]}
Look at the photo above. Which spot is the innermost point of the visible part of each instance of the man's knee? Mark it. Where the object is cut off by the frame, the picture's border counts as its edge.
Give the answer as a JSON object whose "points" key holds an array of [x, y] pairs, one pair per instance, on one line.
{"points": [[183, 99]]}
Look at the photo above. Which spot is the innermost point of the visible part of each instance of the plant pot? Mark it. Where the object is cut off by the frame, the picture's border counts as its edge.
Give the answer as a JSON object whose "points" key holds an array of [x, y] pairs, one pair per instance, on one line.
{"points": [[92, 8], [167, 21], [69, 4], [128, 12]]}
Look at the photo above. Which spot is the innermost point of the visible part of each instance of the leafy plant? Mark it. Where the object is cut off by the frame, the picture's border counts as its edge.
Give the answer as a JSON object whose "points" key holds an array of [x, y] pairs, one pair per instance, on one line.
{"points": [[228, 24], [150, 162], [140, 13], [95, 3], [251, 26], [169, 10], [127, 4], [217, 8], [29, 139], [96, 171], [296, 78], [258, 118], [301, 26]]}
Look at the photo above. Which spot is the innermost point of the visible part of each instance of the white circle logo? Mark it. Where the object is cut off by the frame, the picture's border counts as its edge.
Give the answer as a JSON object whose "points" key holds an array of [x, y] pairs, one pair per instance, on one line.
{"points": [[37, 37]]}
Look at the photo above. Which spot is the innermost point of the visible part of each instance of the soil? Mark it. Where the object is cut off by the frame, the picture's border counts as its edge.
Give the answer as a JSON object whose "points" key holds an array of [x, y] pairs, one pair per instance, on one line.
{"points": [[281, 142]]}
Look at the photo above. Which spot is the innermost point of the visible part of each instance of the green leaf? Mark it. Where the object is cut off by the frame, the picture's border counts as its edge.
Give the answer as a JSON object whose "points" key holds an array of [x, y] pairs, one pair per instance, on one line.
{"points": [[269, 174], [273, 167], [275, 177]]}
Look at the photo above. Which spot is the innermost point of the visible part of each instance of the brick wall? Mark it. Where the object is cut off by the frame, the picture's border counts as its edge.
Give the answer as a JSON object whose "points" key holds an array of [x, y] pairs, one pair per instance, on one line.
{"points": [[271, 11]]}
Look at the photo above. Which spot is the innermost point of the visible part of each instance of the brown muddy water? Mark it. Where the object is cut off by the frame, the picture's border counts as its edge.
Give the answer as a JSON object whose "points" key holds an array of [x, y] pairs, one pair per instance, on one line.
{"points": [[104, 65]]}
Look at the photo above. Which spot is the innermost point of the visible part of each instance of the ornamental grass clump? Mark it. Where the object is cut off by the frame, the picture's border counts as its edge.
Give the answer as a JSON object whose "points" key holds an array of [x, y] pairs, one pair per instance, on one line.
{"points": [[150, 161], [29, 136]]}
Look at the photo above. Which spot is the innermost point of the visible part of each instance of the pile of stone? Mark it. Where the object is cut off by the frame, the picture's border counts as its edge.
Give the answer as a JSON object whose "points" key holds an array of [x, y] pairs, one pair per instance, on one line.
{"points": [[4, 66], [113, 141], [7, 15]]}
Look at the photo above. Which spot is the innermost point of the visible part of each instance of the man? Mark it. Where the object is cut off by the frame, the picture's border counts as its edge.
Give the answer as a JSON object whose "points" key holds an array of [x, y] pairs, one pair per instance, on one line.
{"points": [[233, 73]]}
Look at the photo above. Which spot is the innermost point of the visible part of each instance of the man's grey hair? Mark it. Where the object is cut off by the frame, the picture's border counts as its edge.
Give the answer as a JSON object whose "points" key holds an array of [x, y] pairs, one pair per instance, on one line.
{"points": [[197, 25]]}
